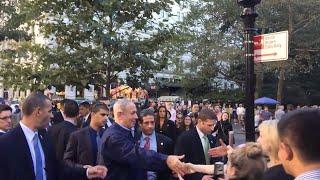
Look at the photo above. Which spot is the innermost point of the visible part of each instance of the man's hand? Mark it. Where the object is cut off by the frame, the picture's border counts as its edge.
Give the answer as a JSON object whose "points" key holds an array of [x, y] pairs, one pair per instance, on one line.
{"points": [[219, 151], [176, 165], [97, 172]]}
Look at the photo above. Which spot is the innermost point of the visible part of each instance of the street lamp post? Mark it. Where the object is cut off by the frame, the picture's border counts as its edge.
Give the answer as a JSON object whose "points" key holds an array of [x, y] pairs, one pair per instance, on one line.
{"points": [[249, 16]]}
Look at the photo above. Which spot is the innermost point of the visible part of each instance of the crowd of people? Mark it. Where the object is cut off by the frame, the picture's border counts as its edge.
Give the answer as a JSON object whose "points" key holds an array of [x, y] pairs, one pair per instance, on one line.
{"points": [[163, 141]]}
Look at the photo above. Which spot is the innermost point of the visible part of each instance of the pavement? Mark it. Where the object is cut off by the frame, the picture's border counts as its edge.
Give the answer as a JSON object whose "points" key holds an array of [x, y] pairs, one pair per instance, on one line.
{"points": [[239, 135]]}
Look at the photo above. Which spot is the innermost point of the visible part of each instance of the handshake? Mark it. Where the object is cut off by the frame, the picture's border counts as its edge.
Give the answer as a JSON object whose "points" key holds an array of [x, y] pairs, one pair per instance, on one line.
{"points": [[182, 168]]}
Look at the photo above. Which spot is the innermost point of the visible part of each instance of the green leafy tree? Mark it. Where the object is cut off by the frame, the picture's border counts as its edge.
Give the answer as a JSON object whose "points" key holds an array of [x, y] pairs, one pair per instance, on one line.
{"points": [[91, 42]]}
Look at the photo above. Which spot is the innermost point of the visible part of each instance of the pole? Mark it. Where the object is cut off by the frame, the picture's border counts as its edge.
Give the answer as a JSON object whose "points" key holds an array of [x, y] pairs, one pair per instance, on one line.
{"points": [[249, 15]]}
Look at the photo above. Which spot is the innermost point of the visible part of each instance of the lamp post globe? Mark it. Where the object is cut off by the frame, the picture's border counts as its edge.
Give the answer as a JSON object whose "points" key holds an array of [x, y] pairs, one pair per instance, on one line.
{"points": [[248, 3]]}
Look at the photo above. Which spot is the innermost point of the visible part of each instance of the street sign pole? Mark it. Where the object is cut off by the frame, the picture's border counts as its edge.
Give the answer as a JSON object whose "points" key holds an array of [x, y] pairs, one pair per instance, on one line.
{"points": [[249, 15]]}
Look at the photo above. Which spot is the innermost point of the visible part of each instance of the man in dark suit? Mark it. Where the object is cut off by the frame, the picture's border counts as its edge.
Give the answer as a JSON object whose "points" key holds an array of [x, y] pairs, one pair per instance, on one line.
{"points": [[83, 145], [58, 115], [150, 140], [122, 157], [60, 133], [5, 118], [85, 115], [195, 143], [27, 153]]}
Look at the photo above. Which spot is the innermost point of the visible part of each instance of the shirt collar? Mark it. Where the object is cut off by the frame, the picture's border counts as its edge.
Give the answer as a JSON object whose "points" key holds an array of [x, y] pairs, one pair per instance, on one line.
{"points": [[2, 131], [199, 132], [87, 116], [152, 136], [70, 121], [308, 175], [124, 127], [29, 133]]}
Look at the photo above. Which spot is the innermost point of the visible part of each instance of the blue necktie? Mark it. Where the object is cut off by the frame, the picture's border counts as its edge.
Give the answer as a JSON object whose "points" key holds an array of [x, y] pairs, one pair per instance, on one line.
{"points": [[39, 169]]}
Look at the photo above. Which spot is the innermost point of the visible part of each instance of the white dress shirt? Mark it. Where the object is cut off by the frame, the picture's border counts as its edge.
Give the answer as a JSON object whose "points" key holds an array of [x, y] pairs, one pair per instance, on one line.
{"points": [[29, 134], [2, 131]]}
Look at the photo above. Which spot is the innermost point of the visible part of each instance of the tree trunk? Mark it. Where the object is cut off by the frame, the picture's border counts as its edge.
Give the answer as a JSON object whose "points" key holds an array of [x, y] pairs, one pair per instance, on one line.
{"points": [[282, 67]]}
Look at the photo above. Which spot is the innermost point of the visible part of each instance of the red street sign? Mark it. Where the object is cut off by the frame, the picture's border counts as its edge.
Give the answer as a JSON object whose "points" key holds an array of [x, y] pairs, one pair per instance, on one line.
{"points": [[271, 47]]}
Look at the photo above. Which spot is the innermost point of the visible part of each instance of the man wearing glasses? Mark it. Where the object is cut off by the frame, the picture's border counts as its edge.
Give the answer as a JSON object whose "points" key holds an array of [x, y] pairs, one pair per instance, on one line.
{"points": [[5, 118], [195, 143]]}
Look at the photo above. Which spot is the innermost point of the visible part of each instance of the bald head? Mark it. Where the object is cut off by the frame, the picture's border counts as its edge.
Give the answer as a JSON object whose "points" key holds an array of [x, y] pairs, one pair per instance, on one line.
{"points": [[125, 113]]}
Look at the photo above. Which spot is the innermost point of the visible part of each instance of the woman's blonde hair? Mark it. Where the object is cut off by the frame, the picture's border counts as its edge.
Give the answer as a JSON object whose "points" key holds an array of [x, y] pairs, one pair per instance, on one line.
{"points": [[248, 162], [271, 137]]}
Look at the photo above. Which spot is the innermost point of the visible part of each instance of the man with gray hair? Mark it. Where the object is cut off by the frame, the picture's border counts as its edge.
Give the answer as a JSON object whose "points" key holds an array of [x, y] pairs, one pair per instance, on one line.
{"points": [[123, 157]]}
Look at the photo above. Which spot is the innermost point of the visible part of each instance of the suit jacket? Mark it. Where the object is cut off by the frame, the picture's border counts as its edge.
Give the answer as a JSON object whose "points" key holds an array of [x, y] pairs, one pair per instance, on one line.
{"points": [[79, 148], [123, 157], [165, 146], [189, 144], [57, 117], [1, 133], [59, 135], [86, 122], [168, 128], [16, 160]]}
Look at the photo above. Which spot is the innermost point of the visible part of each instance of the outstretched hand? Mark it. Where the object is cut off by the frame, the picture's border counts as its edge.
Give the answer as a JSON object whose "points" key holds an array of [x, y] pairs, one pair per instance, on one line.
{"points": [[176, 165], [219, 151]]}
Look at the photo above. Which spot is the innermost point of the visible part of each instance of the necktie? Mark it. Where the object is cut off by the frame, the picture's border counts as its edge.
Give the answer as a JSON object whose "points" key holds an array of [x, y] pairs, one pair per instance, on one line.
{"points": [[147, 143], [206, 149], [147, 147], [38, 166]]}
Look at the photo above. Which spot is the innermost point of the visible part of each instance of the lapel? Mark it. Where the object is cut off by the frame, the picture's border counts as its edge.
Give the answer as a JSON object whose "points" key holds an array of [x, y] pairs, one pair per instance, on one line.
{"points": [[160, 144], [212, 141], [198, 145], [88, 144], [45, 148], [24, 154]]}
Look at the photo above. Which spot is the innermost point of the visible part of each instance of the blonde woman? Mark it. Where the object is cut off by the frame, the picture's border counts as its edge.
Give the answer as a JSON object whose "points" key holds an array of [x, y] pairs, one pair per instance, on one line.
{"points": [[269, 141], [245, 163]]}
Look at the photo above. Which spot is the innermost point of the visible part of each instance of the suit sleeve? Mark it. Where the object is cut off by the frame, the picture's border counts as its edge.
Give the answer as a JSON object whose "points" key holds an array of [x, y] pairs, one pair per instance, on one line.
{"points": [[179, 150], [70, 154], [122, 150]]}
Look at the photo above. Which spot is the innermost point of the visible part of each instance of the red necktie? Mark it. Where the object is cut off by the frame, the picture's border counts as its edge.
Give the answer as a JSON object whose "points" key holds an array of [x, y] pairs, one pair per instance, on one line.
{"points": [[147, 143], [147, 147]]}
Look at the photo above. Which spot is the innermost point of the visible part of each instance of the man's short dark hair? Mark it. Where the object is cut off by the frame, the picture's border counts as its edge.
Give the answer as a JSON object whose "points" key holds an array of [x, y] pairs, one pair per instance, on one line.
{"points": [[71, 108], [205, 114], [300, 129], [33, 101], [85, 104], [144, 113], [97, 106], [4, 107]]}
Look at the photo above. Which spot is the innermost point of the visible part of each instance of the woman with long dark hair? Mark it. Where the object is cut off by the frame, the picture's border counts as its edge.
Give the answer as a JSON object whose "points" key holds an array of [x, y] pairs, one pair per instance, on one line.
{"points": [[223, 127], [164, 125], [186, 124]]}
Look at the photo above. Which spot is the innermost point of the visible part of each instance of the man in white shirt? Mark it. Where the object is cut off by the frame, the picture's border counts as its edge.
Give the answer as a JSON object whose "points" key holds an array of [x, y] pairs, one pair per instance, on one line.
{"points": [[5, 118], [299, 149], [84, 112], [241, 111], [28, 147]]}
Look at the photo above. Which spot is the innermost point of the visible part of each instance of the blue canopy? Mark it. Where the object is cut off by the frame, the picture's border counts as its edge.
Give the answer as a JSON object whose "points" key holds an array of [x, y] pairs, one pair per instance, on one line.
{"points": [[265, 100]]}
